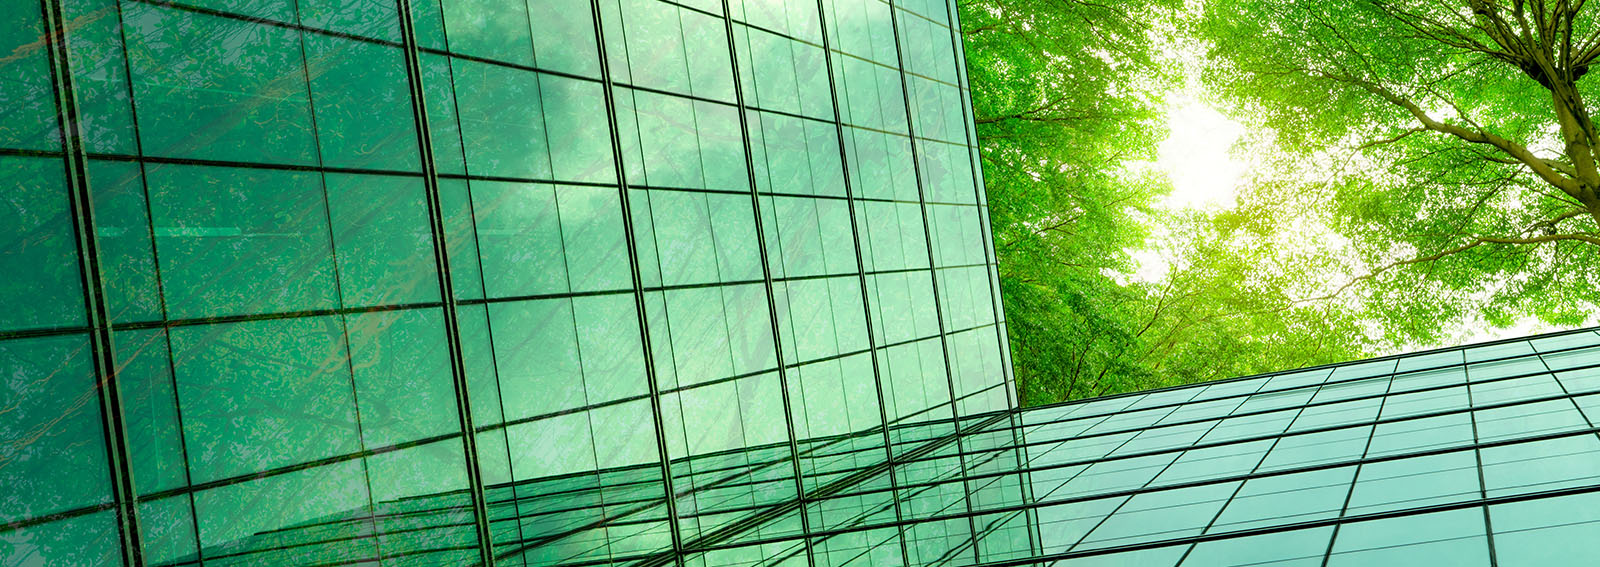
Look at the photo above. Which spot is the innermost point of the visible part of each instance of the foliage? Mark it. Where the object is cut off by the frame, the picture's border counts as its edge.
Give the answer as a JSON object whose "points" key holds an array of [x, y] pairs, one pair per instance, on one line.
{"points": [[1462, 150], [1069, 99]]}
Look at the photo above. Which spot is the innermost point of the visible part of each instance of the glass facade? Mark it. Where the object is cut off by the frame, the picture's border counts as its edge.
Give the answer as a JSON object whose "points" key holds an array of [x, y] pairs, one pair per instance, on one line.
{"points": [[636, 282], [1480, 455], [454, 282]]}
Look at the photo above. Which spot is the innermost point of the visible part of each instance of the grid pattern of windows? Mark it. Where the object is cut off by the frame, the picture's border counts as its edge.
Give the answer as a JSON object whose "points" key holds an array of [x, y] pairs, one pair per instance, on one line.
{"points": [[1483, 455], [522, 282]]}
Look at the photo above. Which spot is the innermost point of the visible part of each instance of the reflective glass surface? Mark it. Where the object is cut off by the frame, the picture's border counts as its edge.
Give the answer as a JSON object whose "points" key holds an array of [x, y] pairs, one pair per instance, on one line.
{"points": [[523, 282]]}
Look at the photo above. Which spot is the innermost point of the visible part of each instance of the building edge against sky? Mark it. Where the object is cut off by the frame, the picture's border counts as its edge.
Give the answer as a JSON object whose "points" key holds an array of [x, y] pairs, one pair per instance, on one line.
{"points": [[635, 247], [705, 283]]}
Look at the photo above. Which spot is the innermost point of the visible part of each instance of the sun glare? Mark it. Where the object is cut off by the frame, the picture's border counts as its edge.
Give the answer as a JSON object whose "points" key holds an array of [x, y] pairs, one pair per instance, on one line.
{"points": [[1196, 155]]}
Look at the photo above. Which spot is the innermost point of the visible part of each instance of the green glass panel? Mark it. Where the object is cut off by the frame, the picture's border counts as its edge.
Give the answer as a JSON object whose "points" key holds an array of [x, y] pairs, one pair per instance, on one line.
{"points": [[52, 409], [363, 105], [667, 136], [502, 124], [37, 242], [376, 19], [264, 394], [1546, 531], [573, 111], [381, 240], [683, 234], [26, 91], [594, 242], [536, 356], [247, 521], [552, 446], [233, 241], [563, 36], [122, 228], [402, 376], [492, 29], [461, 239], [519, 239], [699, 335], [167, 530], [710, 69], [721, 146], [209, 87], [150, 411], [655, 45], [86, 541], [477, 353], [444, 129], [608, 340], [1445, 538], [1299, 548]]}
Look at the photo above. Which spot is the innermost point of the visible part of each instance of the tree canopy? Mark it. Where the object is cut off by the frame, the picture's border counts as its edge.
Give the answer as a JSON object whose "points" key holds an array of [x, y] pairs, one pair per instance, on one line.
{"points": [[1416, 164]]}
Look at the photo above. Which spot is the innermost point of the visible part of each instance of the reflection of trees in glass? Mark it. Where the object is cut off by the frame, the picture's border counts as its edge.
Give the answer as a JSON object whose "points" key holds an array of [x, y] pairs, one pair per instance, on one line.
{"points": [[1417, 165]]}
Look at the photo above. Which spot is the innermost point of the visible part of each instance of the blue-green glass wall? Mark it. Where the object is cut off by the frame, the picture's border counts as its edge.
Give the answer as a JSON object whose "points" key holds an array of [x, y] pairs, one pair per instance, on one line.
{"points": [[424, 282]]}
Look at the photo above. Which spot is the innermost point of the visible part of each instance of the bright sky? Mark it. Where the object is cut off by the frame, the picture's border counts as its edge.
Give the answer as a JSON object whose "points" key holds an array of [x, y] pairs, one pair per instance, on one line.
{"points": [[1196, 155], [1205, 174]]}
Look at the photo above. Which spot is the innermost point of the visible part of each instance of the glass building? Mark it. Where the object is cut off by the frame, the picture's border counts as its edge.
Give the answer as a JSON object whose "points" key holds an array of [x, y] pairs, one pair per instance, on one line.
{"points": [[424, 282], [634, 282]]}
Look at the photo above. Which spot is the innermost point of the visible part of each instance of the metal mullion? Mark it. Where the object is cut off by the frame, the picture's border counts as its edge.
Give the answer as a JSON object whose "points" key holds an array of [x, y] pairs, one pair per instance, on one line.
{"points": [[970, 129], [933, 267], [1477, 457], [1355, 476], [1337, 365], [1146, 485], [766, 276], [96, 308], [1253, 470], [338, 287], [1447, 507], [861, 277], [641, 312], [446, 284], [1328, 403]]}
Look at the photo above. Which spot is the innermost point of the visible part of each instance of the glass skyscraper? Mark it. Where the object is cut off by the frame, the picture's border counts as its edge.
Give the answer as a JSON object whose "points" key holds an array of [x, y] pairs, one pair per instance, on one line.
{"points": [[529, 282], [693, 283]]}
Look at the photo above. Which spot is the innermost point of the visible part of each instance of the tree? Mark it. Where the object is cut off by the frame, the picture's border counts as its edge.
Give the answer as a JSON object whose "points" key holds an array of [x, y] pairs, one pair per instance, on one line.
{"points": [[1069, 99], [1451, 141]]}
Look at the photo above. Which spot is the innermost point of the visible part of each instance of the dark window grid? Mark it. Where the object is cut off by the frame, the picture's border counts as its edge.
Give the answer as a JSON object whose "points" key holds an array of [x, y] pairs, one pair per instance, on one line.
{"points": [[1309, 431], [1211, 524], [466, 177], [1145, 486], [113, 426], [720, 537], [736, 473], [489, 61], [1237, 478], [486, 539], [733, 530], [1047, 558], [1259, 474], [19, 152], [822, 19], [338, 286], [387, 555], [1477, 458], [346, 311], [1399, 375], [447, 294], [969, 126], [938, 308]]}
